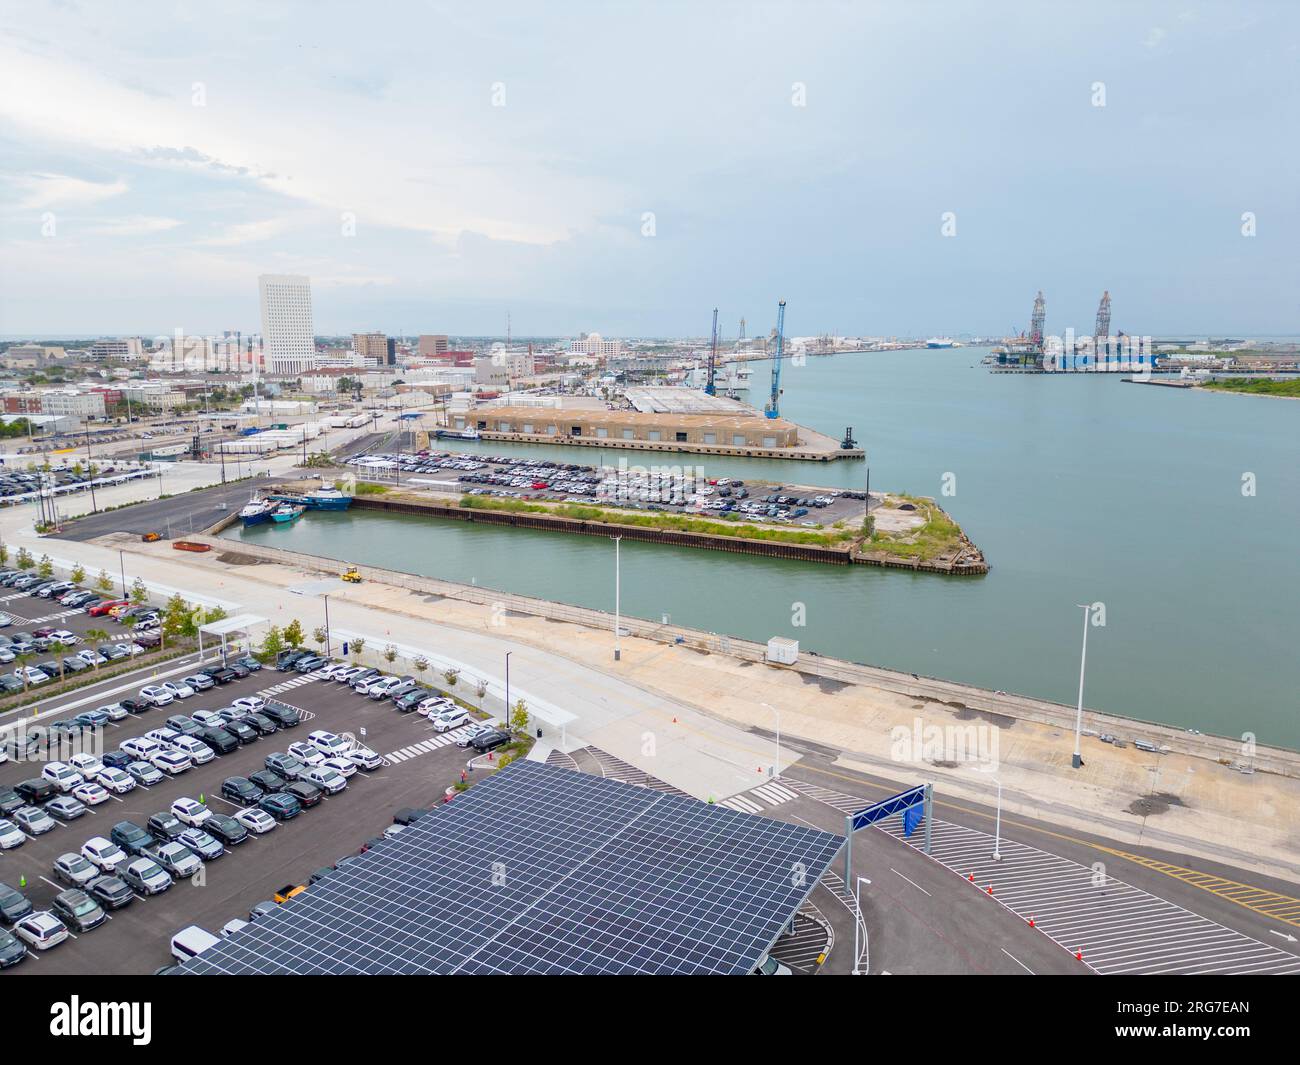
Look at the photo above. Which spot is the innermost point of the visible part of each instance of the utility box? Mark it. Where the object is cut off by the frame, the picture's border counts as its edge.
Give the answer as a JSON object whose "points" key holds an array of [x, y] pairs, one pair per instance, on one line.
{"points": [[782, 651]]}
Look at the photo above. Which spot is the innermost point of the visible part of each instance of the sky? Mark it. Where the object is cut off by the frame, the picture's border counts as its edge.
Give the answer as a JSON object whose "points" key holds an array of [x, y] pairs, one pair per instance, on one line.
{"points": [[901, 168]]}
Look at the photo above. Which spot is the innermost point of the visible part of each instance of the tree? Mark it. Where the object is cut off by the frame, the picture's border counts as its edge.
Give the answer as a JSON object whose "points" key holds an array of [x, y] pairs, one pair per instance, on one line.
{"points": [[58, 647], [103, 583], [139, 593], [293, 636], [421, 664], [78, 574], [22, 660], [272, 643], [318, 634], [4, 554], [358, 645], [390, 654], [451, 676], [481, 690], [25, 560], [93, 636], [46, 566], [519, 716], [176, 617]]}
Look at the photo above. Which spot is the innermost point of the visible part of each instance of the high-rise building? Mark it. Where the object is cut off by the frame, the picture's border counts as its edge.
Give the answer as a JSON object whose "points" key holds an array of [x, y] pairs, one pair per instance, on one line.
{"points": [[433, 344], [375, 346], [288, 337]]}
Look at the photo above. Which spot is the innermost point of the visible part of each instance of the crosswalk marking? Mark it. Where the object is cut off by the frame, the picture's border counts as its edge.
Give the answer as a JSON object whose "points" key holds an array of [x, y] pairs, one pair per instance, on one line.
{"points": [[56, 616], [773, 793], [286, 685], [425, 746]]}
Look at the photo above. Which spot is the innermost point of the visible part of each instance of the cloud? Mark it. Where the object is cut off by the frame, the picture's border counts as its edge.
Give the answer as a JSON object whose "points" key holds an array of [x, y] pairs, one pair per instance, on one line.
{"points": [[134, 225], [1155, 37], [246, 233], [39, 191]]}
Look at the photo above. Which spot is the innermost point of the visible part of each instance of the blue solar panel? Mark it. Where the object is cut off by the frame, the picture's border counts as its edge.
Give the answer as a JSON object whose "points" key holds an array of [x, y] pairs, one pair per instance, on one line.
{"points": [[539, 869]]}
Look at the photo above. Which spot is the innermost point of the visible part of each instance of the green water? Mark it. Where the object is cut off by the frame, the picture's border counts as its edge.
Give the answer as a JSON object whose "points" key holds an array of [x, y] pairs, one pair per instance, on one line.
{"points": [[1078, 489]]}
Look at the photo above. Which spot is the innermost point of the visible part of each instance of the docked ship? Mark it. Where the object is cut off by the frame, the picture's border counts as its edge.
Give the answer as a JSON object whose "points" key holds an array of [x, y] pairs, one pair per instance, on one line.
{"points": [[455, 434], [256, 511], [287, 513], [326, 497], [941, 342]]}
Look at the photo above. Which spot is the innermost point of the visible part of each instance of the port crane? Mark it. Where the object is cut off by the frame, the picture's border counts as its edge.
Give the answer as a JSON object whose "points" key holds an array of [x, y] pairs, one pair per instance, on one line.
{"points": [[772, 410], [710, 388]]}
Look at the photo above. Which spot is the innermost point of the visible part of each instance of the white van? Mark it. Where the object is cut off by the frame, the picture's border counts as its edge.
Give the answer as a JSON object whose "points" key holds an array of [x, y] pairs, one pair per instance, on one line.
{"points": [[191, 942]]}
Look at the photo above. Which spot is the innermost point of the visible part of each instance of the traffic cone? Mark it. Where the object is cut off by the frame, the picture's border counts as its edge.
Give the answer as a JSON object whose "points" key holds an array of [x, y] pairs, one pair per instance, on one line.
{"points": [[990, 889], [970, 877], [1078, 955], [1031, 923]]}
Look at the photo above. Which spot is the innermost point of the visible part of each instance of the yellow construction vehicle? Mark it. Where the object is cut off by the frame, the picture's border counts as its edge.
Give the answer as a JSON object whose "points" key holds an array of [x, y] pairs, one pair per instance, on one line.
{"points": [[352, 575], [289, 891]]}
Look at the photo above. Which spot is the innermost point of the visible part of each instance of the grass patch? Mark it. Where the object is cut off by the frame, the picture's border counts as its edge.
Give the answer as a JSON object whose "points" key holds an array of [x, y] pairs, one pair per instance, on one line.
{"points": [[938, 536], [369, 488], [1254, 387]]}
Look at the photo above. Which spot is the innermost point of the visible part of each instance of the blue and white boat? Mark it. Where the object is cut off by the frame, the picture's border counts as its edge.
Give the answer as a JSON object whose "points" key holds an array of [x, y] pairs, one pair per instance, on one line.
{"points": [[256, 511], [286, 513], [327, 497]]}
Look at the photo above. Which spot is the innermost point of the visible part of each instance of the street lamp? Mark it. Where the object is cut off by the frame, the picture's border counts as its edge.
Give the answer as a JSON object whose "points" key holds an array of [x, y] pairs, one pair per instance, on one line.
{"points": [[121, 561], [1077, 761], [997, 825], [508, 654], [618, 623], [859, 926], [776, 767], [327, 626]]}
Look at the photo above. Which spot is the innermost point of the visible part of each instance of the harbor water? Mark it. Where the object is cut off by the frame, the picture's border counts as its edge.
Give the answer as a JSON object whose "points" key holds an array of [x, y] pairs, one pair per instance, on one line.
{"points": [[1175, 509]]}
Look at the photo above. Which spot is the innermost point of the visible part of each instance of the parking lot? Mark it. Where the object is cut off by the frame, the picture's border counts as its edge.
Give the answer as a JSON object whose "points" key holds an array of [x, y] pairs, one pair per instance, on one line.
{"points": [[136, 938], [672, 489]]}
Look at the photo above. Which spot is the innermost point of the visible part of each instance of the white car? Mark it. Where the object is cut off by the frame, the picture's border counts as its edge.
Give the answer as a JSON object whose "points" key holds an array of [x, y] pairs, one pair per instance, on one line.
{"points": [[435, 704], [232, 926], [63, 636], [103, 854], [41, 930], [344, 676], [344, 767], [178, 688], [449, 719], [165, 737], [255, 820], [116, 781], [198, 752], [171, 762], [156, 695], [330, 671], [191, 811], [90, 793], [200, 683], [87, 765], [32, 675], [91, 657], [250, 703], [11, 835], [62, 776], [115, 711], [141, 748], [364, 758], [208, 718], [306, 753], [378, 688], [327, 780], [328, 743]]}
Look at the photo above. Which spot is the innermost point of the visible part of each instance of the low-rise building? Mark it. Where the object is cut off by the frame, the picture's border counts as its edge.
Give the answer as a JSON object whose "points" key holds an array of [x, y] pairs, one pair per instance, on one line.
{"points": [[715, 430]]}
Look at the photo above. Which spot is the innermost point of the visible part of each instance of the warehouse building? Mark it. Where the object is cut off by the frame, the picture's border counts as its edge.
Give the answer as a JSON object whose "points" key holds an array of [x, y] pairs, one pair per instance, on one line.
{"points": [[708, 429]]}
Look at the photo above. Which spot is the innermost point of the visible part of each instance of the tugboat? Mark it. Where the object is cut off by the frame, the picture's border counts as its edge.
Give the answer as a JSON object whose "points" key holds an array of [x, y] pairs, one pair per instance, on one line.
{"points": [[256, 511], [286, 513]]}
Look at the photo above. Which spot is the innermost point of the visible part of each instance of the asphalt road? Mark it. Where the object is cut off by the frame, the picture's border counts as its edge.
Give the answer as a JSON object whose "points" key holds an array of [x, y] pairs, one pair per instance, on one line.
{"points": [[175, 518]]}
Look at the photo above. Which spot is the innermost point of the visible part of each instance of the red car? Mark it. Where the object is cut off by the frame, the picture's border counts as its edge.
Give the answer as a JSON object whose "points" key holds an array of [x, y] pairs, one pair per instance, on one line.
{"points": [[100, 609]]}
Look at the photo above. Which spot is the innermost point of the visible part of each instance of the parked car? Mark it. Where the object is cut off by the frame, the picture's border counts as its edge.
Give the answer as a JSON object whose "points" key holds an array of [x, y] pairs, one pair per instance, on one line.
{"points": [[146, 876], [221, 741], [490, 741], [90, 794], [156, 695], [268, 780], [240, 790], [77, 909], [328, 780], [284, 716], [307, 793], [11, 835], [115, 780], [207, 847], [103, 854], [287, 766], [328, 743], [178, 689], [74, 869], [191, 812], [111, 892], [65, 808], [164, 827], [280, 805], [14, 905], [177, 859], [144, 774], [41, 931], [255, 820], [34, 821], [447, 720], [226, 829], [200, 682], [130, 837]]}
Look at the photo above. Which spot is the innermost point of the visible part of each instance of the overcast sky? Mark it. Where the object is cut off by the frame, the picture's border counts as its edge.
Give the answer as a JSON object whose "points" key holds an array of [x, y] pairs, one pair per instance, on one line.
{"points": [[501, 158]]}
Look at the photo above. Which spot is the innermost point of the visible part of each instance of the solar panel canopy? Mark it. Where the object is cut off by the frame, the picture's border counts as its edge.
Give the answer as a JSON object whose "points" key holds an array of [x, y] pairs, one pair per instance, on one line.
{"points": [[539, 869]]}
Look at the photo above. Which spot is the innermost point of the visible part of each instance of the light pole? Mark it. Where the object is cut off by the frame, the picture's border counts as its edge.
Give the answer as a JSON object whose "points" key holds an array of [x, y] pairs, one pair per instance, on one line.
{"points": [[90, 471], [776, 766], [327, 626], [997, 825], [618, 621], [1077, 761], [859, 926], [121, 561], [508, 654]]}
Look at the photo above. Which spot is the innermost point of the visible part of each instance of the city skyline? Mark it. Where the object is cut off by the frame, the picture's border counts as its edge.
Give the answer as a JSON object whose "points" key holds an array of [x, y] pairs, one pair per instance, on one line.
{"points": [[165, 164]]}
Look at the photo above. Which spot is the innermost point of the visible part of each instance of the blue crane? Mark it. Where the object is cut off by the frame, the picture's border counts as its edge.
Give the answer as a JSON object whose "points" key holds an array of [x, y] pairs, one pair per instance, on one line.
{"points": [[772, 410]]}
